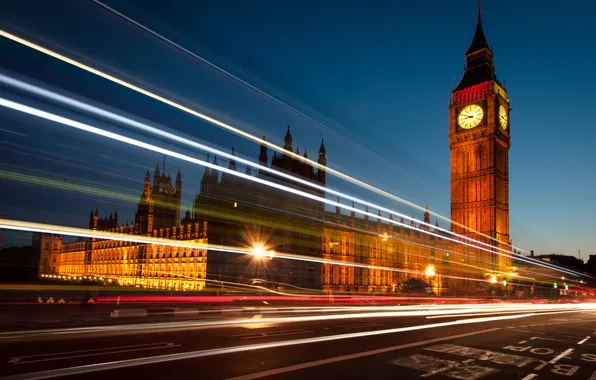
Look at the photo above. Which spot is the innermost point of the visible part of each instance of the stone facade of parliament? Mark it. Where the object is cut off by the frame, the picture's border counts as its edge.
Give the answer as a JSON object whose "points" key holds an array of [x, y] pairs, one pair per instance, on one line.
{"points": [[233, 211]]}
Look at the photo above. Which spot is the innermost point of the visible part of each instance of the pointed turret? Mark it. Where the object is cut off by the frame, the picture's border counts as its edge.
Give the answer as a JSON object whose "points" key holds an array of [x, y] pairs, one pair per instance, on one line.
{"points": [[322, 161], [156, 176], [288, 140], [178, 180], [263, 153], [206, 171], [479, 41], [427, 216], [305, 154], [248, 171], [214, 171], [479, 60]]}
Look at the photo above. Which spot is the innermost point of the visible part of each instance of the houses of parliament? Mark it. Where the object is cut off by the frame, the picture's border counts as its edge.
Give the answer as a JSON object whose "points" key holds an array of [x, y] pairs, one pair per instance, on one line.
{"points": [[235, 212]]}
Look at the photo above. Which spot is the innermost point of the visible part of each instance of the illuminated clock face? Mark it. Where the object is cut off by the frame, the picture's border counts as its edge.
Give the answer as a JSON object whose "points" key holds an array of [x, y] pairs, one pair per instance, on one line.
{"points": [[502, 117], [470, 116]]}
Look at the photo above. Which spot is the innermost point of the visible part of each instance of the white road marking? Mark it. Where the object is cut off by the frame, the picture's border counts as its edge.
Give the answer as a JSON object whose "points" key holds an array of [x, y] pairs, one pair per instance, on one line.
{"points": [[530, 376], [482, 355], [274, 335], [537, 337], [593, 377], [363, 326], [266, 333], [583, 340], [358, 355], [449, 368], [25, 361], [528, 331], [90, 350], [561, 355], [522, 342]]}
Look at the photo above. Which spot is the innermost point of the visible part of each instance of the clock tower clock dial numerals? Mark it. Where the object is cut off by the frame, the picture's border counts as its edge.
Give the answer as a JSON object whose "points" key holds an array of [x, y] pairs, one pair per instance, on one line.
{"points": [[502, 117], [470, 116]]}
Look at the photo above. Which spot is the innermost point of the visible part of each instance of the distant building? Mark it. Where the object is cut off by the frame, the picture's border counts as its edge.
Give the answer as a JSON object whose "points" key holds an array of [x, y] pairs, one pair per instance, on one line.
{"points": [[244, 213], [127, 263]]}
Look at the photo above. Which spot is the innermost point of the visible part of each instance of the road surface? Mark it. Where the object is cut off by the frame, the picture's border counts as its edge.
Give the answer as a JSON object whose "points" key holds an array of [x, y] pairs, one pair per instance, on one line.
{"points": [[557, 345]]}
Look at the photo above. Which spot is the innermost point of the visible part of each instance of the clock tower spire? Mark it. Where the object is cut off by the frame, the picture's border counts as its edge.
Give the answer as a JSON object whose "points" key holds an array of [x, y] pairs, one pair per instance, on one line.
{"points": [[479, 139]]}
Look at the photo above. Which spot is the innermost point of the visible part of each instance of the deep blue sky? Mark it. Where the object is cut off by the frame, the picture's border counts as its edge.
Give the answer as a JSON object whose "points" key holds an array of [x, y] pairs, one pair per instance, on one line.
{"points": [[379, 73]]}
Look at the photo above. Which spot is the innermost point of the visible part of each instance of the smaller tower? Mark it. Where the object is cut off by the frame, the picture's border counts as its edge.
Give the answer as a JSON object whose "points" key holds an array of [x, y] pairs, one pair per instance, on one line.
{"points": [[178, 196], [263, 159], [156, 176], [288, 140], [322, 161]]}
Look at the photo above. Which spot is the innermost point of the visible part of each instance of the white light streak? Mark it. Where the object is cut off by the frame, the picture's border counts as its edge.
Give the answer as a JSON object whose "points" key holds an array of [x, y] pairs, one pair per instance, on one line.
{"points": [[230, 350], [98, 131], [228, 127]]}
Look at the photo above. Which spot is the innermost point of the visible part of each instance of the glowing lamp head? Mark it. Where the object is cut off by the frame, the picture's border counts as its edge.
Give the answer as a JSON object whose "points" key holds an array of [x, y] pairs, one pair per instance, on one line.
{"points": [[430, 271], [493, 279], [258, 250]]}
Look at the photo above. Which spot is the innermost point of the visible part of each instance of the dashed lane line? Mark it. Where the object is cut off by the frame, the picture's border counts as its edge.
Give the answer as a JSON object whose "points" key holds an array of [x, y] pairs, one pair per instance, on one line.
{"points": [[537, 337], [272, 335], [530, 376], [561, 355], [528, 331], [583, 340]]}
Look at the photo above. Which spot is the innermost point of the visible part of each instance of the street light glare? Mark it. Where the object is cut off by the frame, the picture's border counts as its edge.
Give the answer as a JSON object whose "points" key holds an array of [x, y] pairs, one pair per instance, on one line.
{"points": [[258, 250], [430, 271]]}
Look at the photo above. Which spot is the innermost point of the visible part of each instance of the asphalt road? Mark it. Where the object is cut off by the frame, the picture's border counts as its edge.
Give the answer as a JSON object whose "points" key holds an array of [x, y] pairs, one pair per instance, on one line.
{"points": [[550, 346]]}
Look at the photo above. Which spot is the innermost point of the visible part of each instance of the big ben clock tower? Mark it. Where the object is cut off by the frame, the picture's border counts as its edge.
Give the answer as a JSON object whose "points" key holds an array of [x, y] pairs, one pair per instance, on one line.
{"points": [[479, 136]]}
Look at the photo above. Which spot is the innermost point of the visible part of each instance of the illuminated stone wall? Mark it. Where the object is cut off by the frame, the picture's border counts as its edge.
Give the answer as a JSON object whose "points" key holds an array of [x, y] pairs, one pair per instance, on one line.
{"points": [[153, 266]]}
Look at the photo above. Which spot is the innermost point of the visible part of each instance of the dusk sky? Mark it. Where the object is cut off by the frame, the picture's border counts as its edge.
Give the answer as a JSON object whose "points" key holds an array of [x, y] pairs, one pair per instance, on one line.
{"points": [[376, 74]]}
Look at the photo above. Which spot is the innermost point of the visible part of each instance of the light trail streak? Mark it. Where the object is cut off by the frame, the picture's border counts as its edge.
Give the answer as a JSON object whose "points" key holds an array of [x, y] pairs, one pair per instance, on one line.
{"points": [[53, 229], [83, 369], [228, 127], [413, 311], [147, 128], [94, 130], [71, 186], [90, 190]]}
